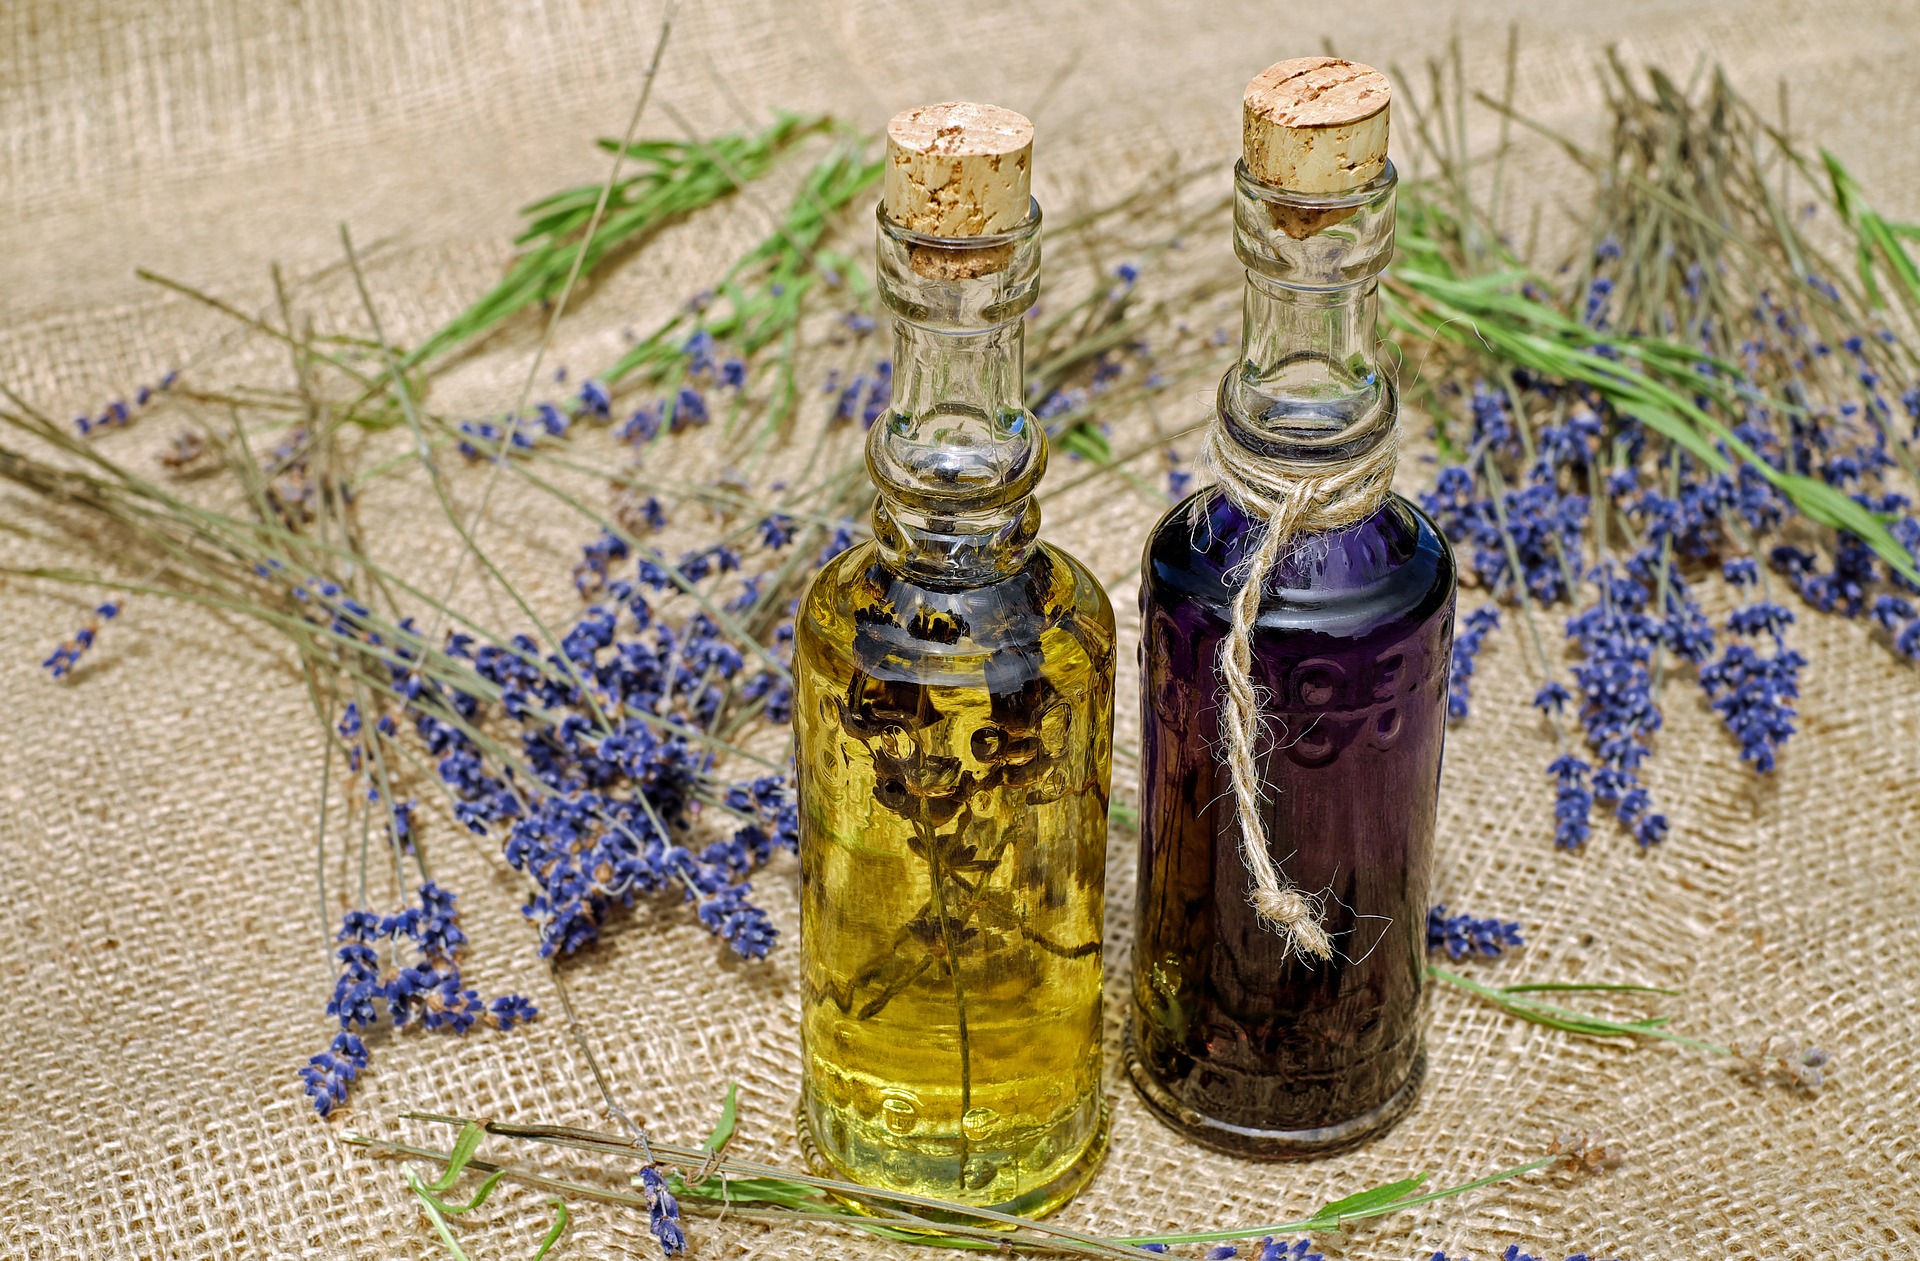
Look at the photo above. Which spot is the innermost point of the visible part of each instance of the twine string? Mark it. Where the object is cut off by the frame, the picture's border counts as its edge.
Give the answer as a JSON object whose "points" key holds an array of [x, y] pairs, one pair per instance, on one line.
{"points": [[1296, 501]]}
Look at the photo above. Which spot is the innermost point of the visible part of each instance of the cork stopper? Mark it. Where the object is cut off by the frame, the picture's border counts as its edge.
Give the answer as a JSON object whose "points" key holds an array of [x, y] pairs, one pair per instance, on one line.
{"points": [[1315, 125], [958, 170]]}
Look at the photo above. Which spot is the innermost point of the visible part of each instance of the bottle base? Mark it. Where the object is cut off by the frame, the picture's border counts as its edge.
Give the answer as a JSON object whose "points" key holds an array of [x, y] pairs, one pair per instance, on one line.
{"points": [[1262, 1144], [1034, 1202]]}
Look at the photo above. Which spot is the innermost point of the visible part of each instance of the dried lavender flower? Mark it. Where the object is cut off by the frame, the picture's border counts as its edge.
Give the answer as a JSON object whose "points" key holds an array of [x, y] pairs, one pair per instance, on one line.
{"points": [[1462, 935], [1466, 649], [1785, 1056], [419, 981], [663, 1212], [67, 654], [119, 413], [1572, 801], [1589, 1152]]}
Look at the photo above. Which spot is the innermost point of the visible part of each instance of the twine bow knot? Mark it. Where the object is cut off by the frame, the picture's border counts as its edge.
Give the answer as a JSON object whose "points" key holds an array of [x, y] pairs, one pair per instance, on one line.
{"points": [[1295, 500]]}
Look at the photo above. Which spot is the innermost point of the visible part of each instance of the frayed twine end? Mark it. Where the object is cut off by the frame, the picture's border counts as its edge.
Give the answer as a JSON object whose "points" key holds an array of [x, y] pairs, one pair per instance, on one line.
{"points": [[1293, 915]]}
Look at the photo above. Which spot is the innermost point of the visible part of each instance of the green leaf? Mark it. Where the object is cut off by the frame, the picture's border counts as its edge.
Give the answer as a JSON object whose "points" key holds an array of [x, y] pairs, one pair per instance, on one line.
{"points": [[436, 1215], [1649, 379], [1513, 1000], [759, 300], [479, 1197], [1829, 506], [437, 1212], [558, 1228], [1666, 423], [1364, 1202], [458, 1158], [1876, 235], [464, 1147], [777, 1191], [729, 1116], [674, 180], [1087, 442]]}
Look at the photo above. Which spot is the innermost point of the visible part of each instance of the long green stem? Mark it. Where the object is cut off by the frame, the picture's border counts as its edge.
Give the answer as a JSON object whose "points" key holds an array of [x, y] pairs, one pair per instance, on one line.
{"points": [[937, 879], [432, 469], [474, 524], [958, 1220], [1513, 1000]]}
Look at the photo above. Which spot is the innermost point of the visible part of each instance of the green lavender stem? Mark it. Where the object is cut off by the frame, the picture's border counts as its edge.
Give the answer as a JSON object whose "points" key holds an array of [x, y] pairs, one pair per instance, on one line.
{"points": [[741, 1185], [936, 878], [1514, 1000]]}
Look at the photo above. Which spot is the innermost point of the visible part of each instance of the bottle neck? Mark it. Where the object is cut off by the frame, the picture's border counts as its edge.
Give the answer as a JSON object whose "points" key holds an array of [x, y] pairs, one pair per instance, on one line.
{"points": [[956, 456], [1310, 386], [979, 372]]}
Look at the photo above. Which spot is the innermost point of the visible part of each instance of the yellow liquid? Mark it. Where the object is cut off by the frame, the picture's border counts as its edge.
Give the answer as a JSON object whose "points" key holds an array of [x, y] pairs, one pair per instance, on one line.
{"points": [[954, 757]]}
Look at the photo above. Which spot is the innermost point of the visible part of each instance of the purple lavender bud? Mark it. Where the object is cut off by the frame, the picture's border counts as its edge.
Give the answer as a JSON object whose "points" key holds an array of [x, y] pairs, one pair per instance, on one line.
{"points": [[594, 399]]}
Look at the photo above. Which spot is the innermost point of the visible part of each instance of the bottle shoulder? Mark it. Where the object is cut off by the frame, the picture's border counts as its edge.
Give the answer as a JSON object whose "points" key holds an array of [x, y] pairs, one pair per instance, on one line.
{"points": [[888, 624], [1394, 566]]}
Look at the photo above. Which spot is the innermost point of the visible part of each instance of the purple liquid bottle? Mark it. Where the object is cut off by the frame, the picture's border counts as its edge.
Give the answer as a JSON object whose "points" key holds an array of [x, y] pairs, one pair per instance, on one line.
{"points": [[1239, 1037]]}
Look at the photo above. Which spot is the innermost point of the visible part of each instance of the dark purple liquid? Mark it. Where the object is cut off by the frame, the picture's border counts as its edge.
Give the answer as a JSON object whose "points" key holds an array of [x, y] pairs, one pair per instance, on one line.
{"points": [[1232, 1042]]}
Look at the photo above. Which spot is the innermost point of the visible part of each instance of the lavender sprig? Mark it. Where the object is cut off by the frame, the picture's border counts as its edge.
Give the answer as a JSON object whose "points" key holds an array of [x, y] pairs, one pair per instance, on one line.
{"points": [[749, 1190], [1754, 692], [419, 981], [1736, 366], [663, 1212], [1462, 935], [61, 662], [1617, 638], [1466, 649], [1572, 800], [1518, 1000], [120, 412]]}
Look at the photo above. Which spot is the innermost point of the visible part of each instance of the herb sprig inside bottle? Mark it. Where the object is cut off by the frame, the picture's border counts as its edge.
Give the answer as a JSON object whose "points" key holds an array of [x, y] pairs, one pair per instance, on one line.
{"points": [[954, 691]]}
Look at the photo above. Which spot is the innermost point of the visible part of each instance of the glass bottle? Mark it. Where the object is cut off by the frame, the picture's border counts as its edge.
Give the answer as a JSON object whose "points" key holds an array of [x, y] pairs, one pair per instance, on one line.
{"points": [[954, 693], [1234, 1039]]}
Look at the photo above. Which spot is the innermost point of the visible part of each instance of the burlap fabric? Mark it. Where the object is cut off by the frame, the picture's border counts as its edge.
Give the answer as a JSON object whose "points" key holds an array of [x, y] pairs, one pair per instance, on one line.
{"points": [[164, 974]]}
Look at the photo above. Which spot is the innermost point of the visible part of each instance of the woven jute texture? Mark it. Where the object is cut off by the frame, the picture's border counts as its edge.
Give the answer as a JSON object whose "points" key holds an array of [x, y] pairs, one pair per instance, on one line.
{"points": [[164, 969]]}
